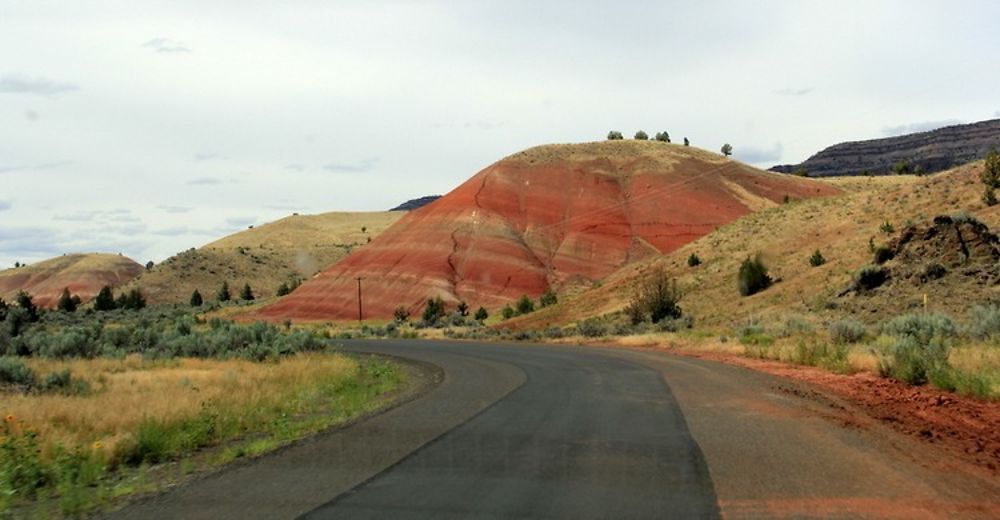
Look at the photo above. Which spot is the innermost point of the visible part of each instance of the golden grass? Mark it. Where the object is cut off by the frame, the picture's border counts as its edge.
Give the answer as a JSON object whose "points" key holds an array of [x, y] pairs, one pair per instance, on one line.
{"points": [[127, 391]]}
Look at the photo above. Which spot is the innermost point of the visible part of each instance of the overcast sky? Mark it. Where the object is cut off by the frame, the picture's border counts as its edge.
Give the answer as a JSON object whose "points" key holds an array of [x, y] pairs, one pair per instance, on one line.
{"points": [[150, 127]]}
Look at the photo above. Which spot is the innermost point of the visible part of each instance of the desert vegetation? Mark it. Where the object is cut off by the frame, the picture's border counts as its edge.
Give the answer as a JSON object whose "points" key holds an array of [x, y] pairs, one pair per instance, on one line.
{"points": [[91, 400]]}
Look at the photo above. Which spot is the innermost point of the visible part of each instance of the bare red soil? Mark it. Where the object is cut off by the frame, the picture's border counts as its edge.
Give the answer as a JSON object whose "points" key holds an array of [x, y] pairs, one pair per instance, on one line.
{"points": [[83, 274], [551, 216], [966, 428]]}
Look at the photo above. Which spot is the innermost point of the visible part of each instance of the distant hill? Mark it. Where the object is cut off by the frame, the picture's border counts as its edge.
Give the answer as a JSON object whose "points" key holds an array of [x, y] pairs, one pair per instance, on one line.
{"points": [[265, 256], [83, 274], [551, 216], [413, 204], [929, 152]]}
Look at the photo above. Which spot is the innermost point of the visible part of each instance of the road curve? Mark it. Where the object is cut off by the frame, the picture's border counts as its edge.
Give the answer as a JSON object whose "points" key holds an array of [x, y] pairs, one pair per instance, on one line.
{"points": [[528, 431]]}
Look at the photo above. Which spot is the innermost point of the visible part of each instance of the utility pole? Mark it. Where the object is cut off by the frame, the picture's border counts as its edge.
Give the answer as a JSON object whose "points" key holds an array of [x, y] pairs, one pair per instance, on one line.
{"points": [[359, 298]]}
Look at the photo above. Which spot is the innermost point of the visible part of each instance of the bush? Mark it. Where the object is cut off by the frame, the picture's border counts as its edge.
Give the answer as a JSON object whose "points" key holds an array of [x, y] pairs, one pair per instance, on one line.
{"points": [[752, 277], [883, 254], [196, 299], [920, 351], [524, 305], [223, 295], [401, 314], [591, 328], [615, 135], [14, 372], [846, 331], [887, 228], [984, 322], [693, 260], [870, 277], [663, 137], [549, 298], [66, 302], [247, 293], [104, 301], [63, 382], [922, 327], [817, 259], [434, 310], [641, 136], [727, 150], [507, 312], [482, 314]]}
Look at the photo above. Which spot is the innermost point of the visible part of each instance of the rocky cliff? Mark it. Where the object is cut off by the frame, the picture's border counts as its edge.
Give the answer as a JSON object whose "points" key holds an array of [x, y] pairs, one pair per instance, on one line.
{"points": [[927, 152]]}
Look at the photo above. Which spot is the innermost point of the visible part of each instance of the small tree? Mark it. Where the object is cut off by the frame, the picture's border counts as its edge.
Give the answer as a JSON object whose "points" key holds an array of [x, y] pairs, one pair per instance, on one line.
{"points": [[27, 303], [991, 177], [283, 289], [105, 301], [615, 135], [224, 295], [401, 314], [660, 296], [817, 259], [663, 137], [524, 305], [727, 149], [134, 300], [686, 142], [247, 293], [66, 301], [641, 136], [434, 310], [507, 312], [693, 260], [481, 314], [196, 299], [549, 298], [149, 265], [463, 308], [752, 277]]}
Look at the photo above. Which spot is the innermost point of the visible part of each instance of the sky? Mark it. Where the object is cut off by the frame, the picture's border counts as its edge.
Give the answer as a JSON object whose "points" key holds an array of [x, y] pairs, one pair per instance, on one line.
{"points": [[147, 128]]}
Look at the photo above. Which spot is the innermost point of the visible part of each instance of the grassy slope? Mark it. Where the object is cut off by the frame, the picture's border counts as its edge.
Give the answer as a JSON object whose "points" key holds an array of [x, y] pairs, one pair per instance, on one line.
{"points": [[787, 235], [264, 256]]}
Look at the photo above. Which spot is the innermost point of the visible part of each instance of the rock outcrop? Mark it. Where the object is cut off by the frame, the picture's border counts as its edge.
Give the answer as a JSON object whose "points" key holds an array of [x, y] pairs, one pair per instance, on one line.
{"points": [[927, 152], [83, 274], [417, 203], [550, 216]]}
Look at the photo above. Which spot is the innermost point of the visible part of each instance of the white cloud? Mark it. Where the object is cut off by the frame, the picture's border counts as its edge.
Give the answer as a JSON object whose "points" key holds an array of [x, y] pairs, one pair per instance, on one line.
{"points": [[166, 45], [17, 84]]}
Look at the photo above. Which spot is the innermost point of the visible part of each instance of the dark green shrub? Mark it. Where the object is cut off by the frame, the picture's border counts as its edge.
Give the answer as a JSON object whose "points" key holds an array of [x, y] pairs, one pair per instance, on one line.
{"points": [[482, 314], [615, 135], [63, 382], [26, 302], [401, 314], [104, 301], [887, 228], [196, 299], [693, 260], [524, 305], [223, 295], [434, 310], [66, 302], [247, 293], [752, 277], [846, 331], [883, 254], [870, 277], [641, 136], [817, 259], [727, 150], [507, 312], [663, 137], [14, 372], [549, 298]]}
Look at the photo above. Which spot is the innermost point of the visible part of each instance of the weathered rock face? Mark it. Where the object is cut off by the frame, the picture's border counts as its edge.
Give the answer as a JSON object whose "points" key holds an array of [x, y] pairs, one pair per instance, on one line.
{"points": [[83, 274], [417, 203], [546, 217], [932, 151]]}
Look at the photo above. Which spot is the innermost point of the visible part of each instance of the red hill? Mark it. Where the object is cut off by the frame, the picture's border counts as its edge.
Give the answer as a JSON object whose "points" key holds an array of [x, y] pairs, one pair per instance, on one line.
{"points": [[548, 216], [82, 274]]}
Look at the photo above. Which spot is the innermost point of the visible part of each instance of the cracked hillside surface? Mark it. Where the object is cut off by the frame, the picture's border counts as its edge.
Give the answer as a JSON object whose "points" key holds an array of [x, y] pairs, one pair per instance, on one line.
{"points": [[554, 216]]}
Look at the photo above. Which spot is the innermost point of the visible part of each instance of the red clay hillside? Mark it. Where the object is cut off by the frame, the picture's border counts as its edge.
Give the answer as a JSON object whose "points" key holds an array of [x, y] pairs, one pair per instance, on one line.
{"points": [[83, 274], [546, 217]]}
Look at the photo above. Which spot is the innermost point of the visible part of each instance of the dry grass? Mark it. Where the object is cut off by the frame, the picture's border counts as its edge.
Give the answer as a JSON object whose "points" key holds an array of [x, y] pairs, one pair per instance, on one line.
{"points": [[298, 246], [128, 391]]}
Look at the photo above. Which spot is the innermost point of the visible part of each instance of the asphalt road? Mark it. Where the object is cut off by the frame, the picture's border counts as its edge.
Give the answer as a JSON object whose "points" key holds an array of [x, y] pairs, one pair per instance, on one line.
{"points": [[521, 431]]}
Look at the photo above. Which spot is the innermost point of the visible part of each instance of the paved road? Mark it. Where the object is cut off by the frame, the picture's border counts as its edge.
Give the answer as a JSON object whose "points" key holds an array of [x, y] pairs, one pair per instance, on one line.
{"points": [[517, 431]]}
